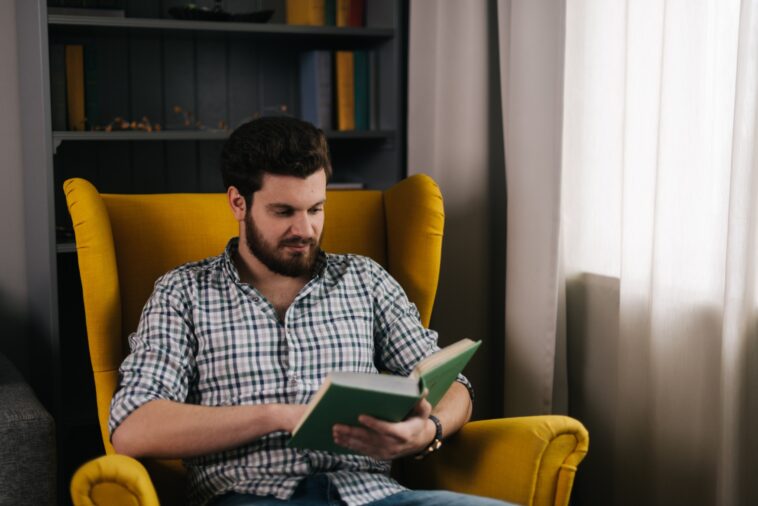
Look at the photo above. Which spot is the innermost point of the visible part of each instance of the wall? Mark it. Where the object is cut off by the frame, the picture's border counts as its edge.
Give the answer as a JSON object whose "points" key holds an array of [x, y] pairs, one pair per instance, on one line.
{"points": [[13, 284]]}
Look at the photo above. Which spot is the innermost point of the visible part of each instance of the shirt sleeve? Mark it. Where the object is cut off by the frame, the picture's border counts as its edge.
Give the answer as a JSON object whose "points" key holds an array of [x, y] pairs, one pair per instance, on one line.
{"points": [[401, 340], [161, 363]]}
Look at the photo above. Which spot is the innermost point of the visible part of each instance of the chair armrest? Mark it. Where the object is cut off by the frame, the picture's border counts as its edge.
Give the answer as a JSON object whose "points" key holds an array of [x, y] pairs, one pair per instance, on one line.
{"points": [[113, 480], [529, 460]]}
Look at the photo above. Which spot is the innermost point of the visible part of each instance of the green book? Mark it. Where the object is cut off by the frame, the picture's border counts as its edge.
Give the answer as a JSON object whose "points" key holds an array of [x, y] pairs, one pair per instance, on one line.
{"points": [[345, 395], [361, 84]]}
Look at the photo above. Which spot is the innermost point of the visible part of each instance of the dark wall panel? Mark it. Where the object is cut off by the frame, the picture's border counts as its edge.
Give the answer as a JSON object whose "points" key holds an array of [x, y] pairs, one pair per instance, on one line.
{"points": [[178, 79], [244, 102]]}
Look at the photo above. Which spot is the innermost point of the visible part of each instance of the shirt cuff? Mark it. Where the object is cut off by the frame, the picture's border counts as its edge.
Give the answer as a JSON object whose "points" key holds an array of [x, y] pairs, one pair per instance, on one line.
{"points": [[466, 383]]}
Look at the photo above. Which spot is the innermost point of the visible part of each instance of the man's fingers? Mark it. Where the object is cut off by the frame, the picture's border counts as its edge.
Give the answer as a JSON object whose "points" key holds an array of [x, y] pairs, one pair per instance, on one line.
{"points": [[423, 409], [380, 426]]}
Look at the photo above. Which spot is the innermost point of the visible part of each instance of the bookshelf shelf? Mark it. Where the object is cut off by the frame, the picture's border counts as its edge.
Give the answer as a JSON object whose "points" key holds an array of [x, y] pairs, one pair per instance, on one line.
{"points": [[261, 29], [191, 135], [65, 247]]}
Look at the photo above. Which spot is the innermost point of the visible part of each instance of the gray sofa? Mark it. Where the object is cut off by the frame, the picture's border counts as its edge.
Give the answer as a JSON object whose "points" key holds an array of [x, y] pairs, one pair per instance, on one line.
{"points": [[27, 443]]}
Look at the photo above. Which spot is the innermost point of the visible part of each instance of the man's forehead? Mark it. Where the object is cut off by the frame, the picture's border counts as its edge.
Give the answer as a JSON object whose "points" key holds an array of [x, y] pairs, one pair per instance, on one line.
{"points": [[293, 190]]}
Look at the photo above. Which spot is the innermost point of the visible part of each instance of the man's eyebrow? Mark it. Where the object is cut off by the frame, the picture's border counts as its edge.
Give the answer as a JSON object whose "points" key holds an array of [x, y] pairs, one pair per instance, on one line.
{"points": [[279, 206], [282, 206]]}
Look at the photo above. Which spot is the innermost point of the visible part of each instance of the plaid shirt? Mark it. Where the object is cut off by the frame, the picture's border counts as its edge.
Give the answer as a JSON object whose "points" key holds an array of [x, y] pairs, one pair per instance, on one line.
{"points": [[207, 338]]}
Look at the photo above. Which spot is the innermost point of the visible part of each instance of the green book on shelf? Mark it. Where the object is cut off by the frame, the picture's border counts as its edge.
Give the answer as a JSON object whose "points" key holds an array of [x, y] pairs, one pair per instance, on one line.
{"points": [[345, 395], [361, 84]]}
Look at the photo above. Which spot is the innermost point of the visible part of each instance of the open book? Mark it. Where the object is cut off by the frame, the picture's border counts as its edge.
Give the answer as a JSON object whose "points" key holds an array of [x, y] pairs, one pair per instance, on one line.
{"points": [[345, 395]]}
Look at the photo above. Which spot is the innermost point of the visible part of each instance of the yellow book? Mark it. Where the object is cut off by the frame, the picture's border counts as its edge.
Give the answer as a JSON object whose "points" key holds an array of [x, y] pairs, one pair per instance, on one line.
{"points": [[345, 90], [316, 12], [306, 12], [75, 86], [343, 12]]}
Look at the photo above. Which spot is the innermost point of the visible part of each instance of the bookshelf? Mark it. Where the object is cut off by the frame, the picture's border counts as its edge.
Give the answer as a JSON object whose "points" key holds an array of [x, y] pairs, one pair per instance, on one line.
{"points": [[145, 65]]}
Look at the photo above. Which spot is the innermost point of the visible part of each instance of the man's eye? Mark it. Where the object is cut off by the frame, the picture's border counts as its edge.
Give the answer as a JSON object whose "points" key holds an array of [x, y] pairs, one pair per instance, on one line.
{"points": [[316, 210], [283, 213]]}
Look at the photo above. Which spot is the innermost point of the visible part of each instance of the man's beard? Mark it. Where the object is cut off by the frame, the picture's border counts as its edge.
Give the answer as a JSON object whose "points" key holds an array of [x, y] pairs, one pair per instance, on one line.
{"points": [[294, 265]]}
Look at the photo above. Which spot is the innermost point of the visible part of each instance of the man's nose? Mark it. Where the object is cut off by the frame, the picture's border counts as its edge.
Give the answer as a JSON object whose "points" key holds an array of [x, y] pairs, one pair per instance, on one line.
{"points": [[302, 225]]}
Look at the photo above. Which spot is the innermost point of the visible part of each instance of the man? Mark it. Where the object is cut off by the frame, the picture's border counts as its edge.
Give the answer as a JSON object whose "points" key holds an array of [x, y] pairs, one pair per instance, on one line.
{"points": [[230, 349]]}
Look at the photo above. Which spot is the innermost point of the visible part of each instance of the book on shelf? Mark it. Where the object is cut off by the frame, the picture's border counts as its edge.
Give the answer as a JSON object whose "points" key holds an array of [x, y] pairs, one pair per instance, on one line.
{"points": [[361, 83], [351, 13], [373, 91], [75, 86], [330, 12], [345, 395], [58, 86], [316, 88], [91, 110], [345, 90], [357, 13], [342, 13], [306, 12]]}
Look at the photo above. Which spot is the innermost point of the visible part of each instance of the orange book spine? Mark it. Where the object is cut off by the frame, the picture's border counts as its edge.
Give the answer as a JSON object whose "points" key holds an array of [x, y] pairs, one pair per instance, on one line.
{"points": [[343, 12], [297, 12], [75, 87], [316, 12], [345, 90]]}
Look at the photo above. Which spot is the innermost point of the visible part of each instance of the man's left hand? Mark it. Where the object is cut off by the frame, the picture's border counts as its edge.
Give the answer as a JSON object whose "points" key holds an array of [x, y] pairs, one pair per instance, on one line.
{"points": [[387, 440]]}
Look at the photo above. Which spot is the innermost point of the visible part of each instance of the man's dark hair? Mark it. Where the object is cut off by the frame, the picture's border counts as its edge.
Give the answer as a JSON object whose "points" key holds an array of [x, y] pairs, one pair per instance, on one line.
{"points": [[275, 145]]}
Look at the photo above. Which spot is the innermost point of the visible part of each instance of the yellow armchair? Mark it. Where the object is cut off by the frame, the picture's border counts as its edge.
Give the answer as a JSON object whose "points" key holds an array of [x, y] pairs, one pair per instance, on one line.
{"points": [[125, 242]]}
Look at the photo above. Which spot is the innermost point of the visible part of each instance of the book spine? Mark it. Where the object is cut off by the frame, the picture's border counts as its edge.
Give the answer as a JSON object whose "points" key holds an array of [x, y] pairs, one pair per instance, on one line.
{"points": [[90, 86], [373, 90], [345, 90], [316, 88], [360, 79], [58, 86], [343, 12], [75, 86], [330, 13], [297, 12], [305, 12], [324, 81], [316, 12], [357, 11]]}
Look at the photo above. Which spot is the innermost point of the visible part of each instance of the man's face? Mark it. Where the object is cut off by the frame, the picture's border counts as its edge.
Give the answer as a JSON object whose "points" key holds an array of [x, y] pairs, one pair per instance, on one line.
{"points": [[284, 223]]}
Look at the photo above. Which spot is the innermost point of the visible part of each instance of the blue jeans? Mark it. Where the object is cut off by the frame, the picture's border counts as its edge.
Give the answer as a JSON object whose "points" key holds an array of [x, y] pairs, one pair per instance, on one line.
{"points": [[318, 490]]}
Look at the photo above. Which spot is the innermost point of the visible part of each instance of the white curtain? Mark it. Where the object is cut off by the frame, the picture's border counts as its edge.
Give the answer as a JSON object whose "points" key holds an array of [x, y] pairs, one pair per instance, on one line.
{"points": [[645, 256], [631, 160]]}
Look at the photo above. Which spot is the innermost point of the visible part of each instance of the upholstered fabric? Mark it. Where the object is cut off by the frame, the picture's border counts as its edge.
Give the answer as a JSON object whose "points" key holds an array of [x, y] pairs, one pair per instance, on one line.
{"points": [[27, 443], [124, 242], [529, 460]]}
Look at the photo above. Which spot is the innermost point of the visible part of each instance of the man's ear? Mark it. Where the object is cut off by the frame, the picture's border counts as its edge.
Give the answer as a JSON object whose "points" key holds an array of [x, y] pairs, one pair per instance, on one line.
{"points": [[236, 203]]}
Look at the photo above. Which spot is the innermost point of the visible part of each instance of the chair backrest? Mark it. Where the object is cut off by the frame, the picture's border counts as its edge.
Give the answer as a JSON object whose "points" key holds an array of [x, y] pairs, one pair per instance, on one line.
{"points": [[125, 242]]}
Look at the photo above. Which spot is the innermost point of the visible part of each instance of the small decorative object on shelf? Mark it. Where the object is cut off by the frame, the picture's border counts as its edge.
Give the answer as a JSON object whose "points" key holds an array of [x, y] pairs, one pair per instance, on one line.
{"points": [[120, 123], [217, 13]]}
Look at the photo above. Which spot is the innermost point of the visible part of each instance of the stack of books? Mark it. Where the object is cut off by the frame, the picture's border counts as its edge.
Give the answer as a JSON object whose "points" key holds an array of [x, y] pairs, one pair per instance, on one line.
{"points": [[326, 12], [337, 89]]}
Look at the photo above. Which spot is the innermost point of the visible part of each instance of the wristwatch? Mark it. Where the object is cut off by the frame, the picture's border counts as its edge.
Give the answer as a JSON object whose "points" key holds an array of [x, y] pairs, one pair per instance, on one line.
{"points": [[436, 443]]}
